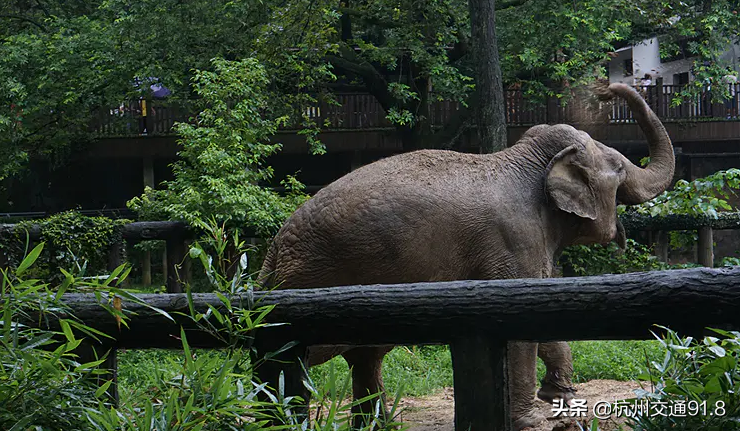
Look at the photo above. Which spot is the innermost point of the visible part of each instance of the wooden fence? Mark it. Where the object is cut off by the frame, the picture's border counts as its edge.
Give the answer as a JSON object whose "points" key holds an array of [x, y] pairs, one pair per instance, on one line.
{"points": [[476, 318], [358, 111]]}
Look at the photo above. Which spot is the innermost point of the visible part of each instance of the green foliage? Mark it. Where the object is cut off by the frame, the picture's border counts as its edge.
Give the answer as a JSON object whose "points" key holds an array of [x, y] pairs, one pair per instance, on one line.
{"points": [[550, 46], [43, 384], [222, 161], [703, 373], [74, 241], [703, 196], [582, 260], [730, 261]]}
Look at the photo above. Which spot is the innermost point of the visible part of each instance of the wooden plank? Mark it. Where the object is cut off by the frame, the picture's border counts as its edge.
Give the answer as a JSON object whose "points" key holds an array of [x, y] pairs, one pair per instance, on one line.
{"points": [[662, 246]]}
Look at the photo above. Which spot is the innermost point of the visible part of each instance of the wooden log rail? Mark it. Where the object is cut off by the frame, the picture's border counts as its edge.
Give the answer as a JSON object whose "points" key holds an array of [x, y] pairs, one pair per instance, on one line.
{"points": [[476, 318]]}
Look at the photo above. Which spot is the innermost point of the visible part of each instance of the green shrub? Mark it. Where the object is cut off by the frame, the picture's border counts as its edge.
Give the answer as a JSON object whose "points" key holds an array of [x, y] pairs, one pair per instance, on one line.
{"points": [[582, 260], [73, 241], [42, 383], [704, 373]]}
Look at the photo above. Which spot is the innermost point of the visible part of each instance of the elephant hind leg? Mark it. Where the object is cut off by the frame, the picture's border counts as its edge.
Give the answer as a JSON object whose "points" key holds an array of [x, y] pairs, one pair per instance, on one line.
{"points": [[522, 374], [367, 379], [557, 382]]}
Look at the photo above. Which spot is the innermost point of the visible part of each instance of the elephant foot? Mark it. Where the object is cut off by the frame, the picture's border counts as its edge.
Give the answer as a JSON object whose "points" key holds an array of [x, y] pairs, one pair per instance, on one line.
{"points": [[530, 419], [551, 391]]}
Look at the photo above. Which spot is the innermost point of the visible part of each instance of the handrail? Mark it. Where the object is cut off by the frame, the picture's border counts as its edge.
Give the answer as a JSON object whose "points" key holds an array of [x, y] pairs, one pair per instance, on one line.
{"points": [[361, 111]]}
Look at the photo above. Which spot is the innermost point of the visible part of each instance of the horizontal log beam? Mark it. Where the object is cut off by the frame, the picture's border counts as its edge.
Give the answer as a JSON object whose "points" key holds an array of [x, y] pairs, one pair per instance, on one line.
{"points": [[163, 230], [135, 231], [151, 230], [623, 306], [640, 222]]}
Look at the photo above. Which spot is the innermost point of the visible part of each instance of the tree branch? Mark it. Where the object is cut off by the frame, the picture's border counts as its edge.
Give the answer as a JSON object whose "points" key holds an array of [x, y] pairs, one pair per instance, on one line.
{"points": [[375, 82], [506, 4], [459, 49], [25, 19]]}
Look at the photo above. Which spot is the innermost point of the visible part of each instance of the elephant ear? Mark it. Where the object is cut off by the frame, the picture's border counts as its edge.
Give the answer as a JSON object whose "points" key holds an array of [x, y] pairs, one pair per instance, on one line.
{"points": [[567, 182]]}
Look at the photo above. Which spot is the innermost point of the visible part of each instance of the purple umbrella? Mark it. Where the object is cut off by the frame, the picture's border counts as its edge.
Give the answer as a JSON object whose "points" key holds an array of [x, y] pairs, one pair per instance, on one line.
{"points": [[160, 91]]}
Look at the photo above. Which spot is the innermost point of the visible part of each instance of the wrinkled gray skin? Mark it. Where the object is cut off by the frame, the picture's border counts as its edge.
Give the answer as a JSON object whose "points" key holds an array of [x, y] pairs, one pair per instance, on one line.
{"points": [[435, 215]]}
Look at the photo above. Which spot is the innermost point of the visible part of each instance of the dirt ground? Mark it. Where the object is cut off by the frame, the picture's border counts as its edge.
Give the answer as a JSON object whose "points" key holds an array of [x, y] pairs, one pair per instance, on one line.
{"points": [[436, 412]]}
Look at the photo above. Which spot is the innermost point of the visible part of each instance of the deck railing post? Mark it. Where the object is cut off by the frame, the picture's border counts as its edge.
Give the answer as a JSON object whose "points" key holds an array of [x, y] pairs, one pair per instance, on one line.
{"points": [[480, 380], [659, 102]]}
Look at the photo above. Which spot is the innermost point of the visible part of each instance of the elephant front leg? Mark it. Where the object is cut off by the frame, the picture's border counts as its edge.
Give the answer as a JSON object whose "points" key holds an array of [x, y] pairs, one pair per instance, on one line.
{"points": [[522, 369], [557, 382]]}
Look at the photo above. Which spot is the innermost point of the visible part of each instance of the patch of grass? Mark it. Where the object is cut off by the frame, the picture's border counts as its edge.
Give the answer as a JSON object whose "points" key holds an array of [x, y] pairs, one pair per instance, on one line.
{"points": [[421, 370], [615, 360], [141, 370]]}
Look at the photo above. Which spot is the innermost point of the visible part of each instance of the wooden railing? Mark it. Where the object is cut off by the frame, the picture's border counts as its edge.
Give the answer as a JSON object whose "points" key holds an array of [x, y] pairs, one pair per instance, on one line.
{"points": [[356, 111], [476, 318]]}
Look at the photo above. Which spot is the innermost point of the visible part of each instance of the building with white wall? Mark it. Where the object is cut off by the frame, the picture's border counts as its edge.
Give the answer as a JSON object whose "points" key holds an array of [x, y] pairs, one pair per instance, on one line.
{"points": [[631, 63]]}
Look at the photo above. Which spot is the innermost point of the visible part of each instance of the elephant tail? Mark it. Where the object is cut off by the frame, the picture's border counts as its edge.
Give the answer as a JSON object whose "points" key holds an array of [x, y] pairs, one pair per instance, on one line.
{"points": [[266, 277]]}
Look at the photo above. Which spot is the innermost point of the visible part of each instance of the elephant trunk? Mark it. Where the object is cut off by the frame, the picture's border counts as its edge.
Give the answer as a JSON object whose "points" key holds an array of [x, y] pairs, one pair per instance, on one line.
{"points": [[643, 184]]}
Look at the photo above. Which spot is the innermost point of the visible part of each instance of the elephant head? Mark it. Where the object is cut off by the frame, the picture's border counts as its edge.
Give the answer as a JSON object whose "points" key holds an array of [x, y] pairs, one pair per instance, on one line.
{"points": [[587, 178]]}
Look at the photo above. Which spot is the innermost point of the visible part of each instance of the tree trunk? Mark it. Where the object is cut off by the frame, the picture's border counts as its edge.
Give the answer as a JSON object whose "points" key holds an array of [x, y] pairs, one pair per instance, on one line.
{"points": [[490, 117]]}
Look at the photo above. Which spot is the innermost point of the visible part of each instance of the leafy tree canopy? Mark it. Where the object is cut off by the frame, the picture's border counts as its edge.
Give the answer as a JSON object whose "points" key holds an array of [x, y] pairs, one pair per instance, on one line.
{"points": [[61, 61]]}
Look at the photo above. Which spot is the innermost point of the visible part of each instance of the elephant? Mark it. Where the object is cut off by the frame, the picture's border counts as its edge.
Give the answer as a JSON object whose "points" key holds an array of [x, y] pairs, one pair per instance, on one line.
{"points": [[438, 215]]}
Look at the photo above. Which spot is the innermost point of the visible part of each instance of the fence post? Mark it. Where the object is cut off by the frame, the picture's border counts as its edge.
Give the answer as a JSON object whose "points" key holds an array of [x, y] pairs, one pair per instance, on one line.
{"points": [[661, 246], [706, 247], [87, 349], [291, 362], [116, 255], [660, 102], [480, 380], [175, 253], [146, 259]]}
